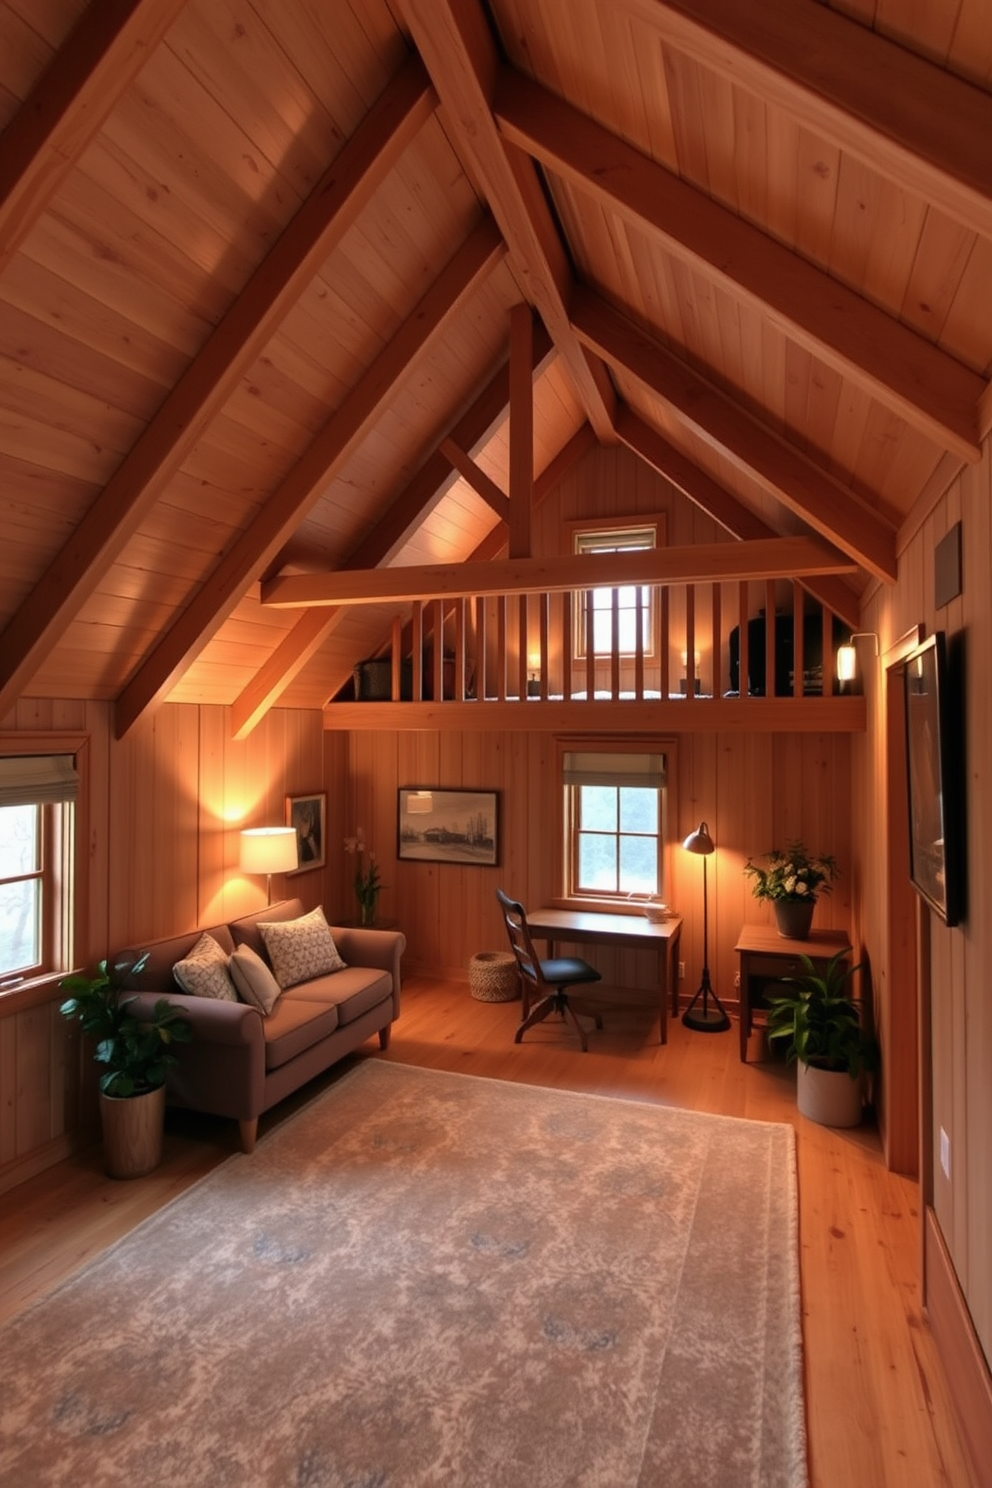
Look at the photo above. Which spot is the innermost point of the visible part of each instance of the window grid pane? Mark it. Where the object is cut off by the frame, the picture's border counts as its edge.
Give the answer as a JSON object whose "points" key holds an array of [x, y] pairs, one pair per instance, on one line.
{"points": [[616, 840]]}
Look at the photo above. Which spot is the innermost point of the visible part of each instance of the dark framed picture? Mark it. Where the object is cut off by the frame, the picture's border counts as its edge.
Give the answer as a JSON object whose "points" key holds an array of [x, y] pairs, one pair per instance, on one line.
{"points": [[308, 815], [448, 826], [934, 766]]}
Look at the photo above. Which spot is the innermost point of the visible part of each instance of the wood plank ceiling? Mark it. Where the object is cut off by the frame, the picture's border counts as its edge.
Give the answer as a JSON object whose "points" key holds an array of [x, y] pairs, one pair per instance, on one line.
{"points": [[258, 264]]}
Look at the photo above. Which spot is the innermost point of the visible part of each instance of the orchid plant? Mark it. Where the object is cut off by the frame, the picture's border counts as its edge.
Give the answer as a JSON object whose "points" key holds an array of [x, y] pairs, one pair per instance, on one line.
{"points": [[367, 880]]}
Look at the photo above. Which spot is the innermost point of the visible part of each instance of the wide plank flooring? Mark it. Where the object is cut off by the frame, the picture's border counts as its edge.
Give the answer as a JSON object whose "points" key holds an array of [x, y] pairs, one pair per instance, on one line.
{"points": [[878, 1409]]}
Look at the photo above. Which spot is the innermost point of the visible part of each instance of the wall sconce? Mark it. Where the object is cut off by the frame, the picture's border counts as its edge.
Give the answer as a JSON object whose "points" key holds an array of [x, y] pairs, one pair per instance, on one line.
{"points": [[847, 656], [269, 850]]}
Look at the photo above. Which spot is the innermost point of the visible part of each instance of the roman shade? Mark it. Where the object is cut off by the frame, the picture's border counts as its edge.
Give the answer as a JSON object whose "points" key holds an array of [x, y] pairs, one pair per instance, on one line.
{"points": [[37, 779], [644, 770]]}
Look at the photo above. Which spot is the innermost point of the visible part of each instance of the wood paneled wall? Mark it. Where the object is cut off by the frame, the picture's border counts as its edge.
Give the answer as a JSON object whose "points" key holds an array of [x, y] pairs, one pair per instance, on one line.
{"points": [[159, 854], [957, 970]]}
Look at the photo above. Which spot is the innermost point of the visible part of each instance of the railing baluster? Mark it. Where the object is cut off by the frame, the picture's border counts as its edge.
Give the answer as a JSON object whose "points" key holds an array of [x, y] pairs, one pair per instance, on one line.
{"points": [[770, 648], [396, 642], [798, 638], [664, 604], [590, 649], [417, 659], [615, 645], [566, 645], [716, 643], [544, 621], [523, 643], [743, 607], [501, 648], [690, 642], [481, 667], [639, 642]]}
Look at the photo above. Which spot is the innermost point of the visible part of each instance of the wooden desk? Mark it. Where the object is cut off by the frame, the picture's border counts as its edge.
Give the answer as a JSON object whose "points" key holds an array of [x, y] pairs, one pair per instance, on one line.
{"points": [[583, 926], [767, 957]]}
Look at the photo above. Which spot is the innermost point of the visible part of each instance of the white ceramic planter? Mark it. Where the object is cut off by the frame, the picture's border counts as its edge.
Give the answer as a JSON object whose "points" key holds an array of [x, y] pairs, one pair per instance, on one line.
{"points": [[829, 1097]]}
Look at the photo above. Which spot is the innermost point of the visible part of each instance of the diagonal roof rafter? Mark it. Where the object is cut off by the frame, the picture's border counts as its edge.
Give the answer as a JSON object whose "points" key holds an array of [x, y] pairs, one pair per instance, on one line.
{"points": [[334, 443], [129, 495]]}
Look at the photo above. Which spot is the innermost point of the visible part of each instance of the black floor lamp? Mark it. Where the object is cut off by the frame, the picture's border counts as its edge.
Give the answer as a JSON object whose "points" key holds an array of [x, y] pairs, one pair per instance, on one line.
{"points": [[704, 1018]]}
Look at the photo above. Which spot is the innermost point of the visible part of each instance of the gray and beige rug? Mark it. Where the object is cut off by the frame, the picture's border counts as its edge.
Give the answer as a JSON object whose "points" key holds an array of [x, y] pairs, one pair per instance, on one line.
{"points": [[428, 1279]]}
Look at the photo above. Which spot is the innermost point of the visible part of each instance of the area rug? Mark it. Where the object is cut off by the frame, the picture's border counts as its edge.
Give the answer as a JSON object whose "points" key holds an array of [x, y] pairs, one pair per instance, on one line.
{"points": [[426, 1278]]}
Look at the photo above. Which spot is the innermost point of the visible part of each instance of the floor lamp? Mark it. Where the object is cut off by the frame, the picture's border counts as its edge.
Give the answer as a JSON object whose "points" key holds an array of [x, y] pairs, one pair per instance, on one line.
{"points": [[705, 1019]]}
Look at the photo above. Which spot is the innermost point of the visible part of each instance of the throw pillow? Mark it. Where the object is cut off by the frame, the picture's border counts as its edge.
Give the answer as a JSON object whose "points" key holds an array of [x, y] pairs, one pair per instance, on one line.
{"points": [[301, 949], [255, 983], [203, 973]]}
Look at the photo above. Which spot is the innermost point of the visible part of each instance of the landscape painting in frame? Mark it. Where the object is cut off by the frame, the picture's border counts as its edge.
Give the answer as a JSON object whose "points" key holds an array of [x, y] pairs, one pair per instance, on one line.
{"points": [[308, 814], [448, 826]]}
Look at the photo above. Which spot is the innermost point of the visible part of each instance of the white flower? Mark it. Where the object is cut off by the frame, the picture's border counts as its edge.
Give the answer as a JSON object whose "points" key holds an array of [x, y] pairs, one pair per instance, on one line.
{"points": [[801, 888], [790, 885]]}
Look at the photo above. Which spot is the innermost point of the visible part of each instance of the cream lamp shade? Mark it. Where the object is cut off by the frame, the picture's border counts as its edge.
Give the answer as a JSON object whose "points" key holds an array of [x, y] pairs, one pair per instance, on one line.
{"points": [[269, 850]]}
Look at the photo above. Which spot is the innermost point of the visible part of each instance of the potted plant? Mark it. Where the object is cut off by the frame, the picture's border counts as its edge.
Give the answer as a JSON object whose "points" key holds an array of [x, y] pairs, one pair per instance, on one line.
{"points": [[137, 1050], [819, 1022], [793, 882]]}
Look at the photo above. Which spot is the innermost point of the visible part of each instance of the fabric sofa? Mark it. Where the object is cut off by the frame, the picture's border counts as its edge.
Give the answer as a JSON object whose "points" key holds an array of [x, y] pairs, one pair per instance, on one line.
{"points": [[242, 1062]]}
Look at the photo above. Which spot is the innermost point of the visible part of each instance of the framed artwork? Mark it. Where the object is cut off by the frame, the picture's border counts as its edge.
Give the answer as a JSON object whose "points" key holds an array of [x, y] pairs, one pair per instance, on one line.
{"points": [[308, 814], [448, 826]]}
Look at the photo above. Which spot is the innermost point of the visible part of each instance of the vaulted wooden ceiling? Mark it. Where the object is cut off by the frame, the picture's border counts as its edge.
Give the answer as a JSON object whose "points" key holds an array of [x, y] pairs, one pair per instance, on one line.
{"points": [[259, 264]]}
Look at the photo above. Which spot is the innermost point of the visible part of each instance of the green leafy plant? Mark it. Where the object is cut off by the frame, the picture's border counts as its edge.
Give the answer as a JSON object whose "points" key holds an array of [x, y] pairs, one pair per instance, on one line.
{"points": [[795, 874], [819, 1021], [137, 1049]]}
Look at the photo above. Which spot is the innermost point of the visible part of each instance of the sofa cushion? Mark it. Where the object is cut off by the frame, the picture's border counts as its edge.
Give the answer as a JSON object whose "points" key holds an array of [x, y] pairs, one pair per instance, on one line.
{"points": [[302, 949], [254, 980], [294, 1026], [245, 931], [352, 991], [203, 972]]}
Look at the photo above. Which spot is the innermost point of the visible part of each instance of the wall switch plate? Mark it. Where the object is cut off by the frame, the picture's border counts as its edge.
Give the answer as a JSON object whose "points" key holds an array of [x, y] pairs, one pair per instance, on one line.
{"points": [[681, 969], [945, 1153]]}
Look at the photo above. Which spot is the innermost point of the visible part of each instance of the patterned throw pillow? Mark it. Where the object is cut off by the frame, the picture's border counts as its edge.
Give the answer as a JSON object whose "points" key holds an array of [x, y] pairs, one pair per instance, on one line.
{"points": [[255, 983], [301, 949], [203, 973]]}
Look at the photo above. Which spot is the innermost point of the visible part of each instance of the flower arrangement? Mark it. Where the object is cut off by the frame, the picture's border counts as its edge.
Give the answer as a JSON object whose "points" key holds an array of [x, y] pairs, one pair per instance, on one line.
{"points": [[795, 875], [367, 881]]}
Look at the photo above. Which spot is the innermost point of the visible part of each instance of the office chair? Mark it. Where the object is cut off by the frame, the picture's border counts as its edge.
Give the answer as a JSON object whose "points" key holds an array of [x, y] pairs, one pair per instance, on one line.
{"points": [[545, 980]]}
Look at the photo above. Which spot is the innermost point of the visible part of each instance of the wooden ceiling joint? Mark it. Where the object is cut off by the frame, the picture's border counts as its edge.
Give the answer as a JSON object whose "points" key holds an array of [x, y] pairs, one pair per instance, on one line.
{"points": [[774, 558], [780, 469], [904, 371], [458, 50]]}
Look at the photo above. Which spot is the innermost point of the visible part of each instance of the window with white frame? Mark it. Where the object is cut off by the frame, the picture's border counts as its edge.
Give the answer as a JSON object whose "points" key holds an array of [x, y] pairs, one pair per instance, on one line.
{"points": [[614, 613], [37, 823], [614, 816]]}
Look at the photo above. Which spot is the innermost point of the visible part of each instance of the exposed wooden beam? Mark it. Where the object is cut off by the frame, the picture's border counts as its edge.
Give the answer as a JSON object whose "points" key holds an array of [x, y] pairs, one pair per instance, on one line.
{"points": [[481, 483], [904, 116], [521, 430], [908, 374], [405, 513], [699, 563], [454, 40], [731, 514], [823, 715], [325, 455], [102, 55], [129, 495], [738, 437]]}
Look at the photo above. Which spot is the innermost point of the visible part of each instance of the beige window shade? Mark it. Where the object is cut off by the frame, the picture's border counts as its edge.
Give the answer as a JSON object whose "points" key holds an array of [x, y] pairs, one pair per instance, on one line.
{"points": [[37, 779], [644, 770]]}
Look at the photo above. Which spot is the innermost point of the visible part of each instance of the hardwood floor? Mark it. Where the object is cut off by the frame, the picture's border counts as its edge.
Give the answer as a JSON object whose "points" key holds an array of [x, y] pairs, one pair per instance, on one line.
{"points": [[878, 1409]]}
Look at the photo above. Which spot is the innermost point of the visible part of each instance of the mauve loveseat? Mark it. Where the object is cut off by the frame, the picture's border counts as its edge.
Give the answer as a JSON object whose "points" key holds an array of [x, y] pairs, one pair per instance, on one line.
{"points": [[241, 1063]]}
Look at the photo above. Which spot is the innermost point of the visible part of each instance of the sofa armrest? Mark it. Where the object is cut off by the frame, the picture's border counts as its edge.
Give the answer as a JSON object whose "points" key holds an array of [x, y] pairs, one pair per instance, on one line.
{"points": [[214, 1021], [381, 949]]}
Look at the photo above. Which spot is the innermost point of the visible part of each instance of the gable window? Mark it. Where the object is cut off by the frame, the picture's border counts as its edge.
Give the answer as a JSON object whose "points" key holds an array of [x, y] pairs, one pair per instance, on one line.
{"points": [[37, 822], [614, 813], [613, 615]]}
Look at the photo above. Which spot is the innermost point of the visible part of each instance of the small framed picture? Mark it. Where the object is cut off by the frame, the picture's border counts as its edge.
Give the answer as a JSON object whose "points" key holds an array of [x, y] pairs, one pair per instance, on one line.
{"points": [[308, 814], [448, 826]]}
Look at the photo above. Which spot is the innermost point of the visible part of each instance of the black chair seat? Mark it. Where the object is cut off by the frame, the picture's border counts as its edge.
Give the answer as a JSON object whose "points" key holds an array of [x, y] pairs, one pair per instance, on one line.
{"points": [[547, 981], [569, 970]]}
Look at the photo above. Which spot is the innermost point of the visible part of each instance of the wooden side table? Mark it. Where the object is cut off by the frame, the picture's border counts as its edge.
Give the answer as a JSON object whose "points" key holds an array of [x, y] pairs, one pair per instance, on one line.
{"points": [[766, 957]]}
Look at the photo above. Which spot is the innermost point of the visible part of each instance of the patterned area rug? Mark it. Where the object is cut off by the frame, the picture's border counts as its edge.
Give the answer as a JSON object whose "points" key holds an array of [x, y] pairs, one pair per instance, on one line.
{"points": [[431, 1279]]}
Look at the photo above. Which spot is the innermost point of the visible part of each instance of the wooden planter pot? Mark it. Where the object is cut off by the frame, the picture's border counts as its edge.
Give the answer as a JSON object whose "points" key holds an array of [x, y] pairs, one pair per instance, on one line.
{"points": [[133, 1129]]}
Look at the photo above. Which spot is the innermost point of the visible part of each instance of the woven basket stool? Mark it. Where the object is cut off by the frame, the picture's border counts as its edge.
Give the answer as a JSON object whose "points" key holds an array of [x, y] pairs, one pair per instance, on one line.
{"points": [[492, 976]]}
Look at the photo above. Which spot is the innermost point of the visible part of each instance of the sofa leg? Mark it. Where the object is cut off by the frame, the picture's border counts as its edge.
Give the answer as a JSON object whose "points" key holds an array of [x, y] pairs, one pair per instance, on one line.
{"points": [[384, 1036], [249, 1131]]}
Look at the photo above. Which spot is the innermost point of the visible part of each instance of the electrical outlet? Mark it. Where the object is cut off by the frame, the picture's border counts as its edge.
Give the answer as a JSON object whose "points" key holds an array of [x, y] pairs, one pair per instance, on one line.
{"points": [[681, 970], [945, 1153], [737, 980]]}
